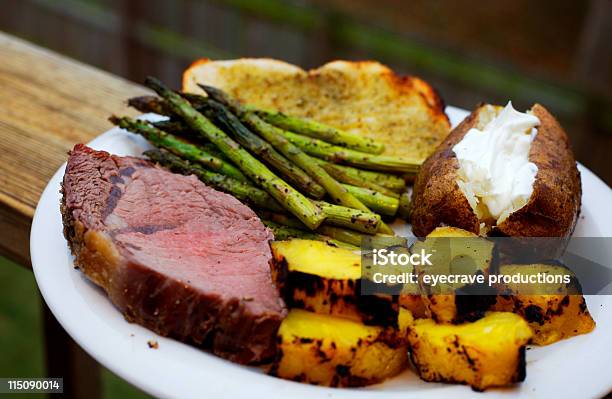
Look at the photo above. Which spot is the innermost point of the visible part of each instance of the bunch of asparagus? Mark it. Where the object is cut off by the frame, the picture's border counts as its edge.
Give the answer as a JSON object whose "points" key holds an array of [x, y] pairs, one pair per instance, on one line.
{"points": [[279, 164]]}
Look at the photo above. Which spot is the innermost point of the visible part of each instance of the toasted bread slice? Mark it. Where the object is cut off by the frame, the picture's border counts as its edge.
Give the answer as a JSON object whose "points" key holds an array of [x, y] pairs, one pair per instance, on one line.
{"points": [[367, 98]]}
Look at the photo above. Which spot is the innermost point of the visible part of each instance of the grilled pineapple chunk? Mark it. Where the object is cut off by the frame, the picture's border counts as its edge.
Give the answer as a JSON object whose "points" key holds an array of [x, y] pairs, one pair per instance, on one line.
{"points": [[554, 312], [456, 251], [414, 304], [449, 231], [316, 276], [486, 353], [332, 351]]}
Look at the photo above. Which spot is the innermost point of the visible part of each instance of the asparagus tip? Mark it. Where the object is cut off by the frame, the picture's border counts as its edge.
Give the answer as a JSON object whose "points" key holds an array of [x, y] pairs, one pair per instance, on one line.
{"points": [[135, 101], [155, 152], [114, 119], [208, 89], [216, 94], [155, 84], [150, 153], [223, 98]]}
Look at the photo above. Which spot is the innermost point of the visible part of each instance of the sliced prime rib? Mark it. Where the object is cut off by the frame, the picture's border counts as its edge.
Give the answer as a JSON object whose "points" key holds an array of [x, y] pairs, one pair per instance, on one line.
{"points": [[174, 255]]}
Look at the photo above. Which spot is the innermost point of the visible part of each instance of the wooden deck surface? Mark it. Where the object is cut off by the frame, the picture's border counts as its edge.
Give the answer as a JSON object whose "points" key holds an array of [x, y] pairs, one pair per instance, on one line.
{"points": [[48, 103]]}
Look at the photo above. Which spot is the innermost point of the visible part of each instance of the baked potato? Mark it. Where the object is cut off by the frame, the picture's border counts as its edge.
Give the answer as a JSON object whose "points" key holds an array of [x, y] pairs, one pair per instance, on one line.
{"points": [[321, 278], [545, 197], [337, 352], [554, 312], [486, 353]]}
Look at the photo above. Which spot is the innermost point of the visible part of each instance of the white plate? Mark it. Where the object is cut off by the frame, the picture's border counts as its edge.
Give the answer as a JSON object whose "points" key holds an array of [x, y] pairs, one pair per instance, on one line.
{"points": [[571, 368]]}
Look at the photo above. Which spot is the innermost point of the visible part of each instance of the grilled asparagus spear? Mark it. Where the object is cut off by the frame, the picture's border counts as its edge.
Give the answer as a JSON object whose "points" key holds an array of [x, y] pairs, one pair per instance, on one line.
{"points": [[343, 235], [377, 202], [354, 219], [284, 232], [310, 128], [405, 206], [321, 131], [335, 154], [171, 126], [280, 218], [274, 136], [181, 130], [292, 173], [185, 150], [384, 183], [152, 104], [348, 236]]}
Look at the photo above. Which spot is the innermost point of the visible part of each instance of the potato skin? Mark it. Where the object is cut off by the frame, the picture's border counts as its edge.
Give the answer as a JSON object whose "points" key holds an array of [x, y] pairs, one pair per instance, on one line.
{"points": [[552, 210]]}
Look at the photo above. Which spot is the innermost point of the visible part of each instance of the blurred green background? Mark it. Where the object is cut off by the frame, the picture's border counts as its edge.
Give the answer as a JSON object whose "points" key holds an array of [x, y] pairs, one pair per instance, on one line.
{"points": [[556, 52]]}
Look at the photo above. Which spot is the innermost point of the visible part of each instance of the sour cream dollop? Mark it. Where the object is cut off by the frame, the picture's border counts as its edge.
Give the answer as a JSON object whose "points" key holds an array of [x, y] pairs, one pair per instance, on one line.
{"points": [[495, 173]]}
